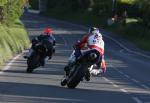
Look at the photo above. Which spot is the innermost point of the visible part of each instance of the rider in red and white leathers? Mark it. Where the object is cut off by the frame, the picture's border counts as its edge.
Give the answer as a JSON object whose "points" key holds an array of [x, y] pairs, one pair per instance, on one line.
{"points": [[92, 41]]}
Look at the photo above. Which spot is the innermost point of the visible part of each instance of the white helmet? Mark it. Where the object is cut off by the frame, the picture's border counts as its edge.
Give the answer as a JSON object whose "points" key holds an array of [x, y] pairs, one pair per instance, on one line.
{"points": [[93, 29]]}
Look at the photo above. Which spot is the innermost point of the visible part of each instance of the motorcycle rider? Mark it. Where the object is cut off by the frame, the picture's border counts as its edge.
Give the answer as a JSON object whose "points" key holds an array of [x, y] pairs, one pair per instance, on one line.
{"points": [[46, 35], [91, 41]]}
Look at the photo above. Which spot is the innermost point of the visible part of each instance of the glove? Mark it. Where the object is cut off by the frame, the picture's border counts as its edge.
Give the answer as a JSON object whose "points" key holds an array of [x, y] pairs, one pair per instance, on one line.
{"points": [[95, 71], [75, 46]]}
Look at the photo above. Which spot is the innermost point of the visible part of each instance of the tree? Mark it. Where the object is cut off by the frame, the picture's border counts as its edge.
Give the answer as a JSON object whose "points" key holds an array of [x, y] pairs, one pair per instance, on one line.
{"points": [[144, 6], [2, 3], [11, 10], [102, 6]]}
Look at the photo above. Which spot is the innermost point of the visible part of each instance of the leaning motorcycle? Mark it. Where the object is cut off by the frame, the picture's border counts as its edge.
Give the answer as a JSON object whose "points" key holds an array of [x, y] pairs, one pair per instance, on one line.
{"points": [[39, 54], [80, 69]]}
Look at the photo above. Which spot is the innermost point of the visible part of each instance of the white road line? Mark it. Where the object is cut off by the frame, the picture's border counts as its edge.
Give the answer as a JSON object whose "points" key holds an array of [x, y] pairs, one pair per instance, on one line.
{"points": [[137, 100], [144, 86], [121, 51], [134, 80], [124, 47], [127, 76], [115, 85], [110, 82], [105, 79], [9, 64], [123, 90], [120, 72]]}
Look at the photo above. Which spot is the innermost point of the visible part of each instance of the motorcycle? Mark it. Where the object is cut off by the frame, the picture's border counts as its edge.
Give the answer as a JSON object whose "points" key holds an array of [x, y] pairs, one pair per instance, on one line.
{"points": [[80, 69], [39, 54]]}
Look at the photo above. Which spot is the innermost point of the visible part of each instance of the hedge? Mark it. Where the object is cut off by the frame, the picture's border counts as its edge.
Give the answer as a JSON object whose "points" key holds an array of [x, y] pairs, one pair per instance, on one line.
{"points": [[12, 40]]}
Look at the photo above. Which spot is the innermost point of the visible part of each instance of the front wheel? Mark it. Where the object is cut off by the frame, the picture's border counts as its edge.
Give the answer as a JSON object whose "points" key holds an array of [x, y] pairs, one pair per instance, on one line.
{"points": [[33, 62], [29, 70], [63, 82], [76, 75]]}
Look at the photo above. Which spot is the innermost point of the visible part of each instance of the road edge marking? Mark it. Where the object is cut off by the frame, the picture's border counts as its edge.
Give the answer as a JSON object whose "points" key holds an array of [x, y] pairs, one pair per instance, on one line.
{"points": [[137, 100], [7, 66]]}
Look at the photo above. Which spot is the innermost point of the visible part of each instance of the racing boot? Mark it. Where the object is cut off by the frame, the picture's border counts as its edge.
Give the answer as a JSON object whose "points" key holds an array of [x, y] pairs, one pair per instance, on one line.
{"points": [[87, 76]]}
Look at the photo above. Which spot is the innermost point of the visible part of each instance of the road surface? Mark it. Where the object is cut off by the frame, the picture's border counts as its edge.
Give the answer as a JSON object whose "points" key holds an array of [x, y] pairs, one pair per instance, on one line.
{"points": [[127, 79]]}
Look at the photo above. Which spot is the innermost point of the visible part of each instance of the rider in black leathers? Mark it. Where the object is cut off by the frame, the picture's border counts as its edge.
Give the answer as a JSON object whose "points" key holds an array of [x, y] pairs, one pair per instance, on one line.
{"points": [[46, 36]]}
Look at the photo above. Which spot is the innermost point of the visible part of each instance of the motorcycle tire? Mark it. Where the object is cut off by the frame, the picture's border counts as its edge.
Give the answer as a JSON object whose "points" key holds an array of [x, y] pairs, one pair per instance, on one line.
{"points": [[29, 70], [33, 62], [76, 75]]}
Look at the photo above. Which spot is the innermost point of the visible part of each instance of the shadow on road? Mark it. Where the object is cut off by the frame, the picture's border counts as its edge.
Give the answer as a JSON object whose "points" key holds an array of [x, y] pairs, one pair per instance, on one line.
{"points": [[33, 93]]}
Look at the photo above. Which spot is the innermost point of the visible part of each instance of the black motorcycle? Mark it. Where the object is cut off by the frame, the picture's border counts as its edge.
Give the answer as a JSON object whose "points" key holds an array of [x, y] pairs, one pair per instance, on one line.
{"points": [[39, 54], [79, 69]]}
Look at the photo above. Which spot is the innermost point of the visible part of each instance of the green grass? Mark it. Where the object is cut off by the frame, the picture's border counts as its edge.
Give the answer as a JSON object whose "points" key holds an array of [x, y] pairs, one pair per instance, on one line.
{"points": [[131, 20], [135, 32], [13, 40]]}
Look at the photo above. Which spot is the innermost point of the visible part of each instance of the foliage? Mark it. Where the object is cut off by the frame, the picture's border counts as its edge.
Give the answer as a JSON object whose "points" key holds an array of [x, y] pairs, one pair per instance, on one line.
{"points": [[132, 9], [101, 7], [11, 10], [144, 6], [34, 4], [3, 2], [134, 32], [69, 5], [128, 1], [96, 12], [12, 40], [136, 8]]}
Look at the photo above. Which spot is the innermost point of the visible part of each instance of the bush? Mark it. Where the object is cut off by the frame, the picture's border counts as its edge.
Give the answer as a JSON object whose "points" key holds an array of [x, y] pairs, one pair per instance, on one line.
{"points": [[101, 8], [11, 10], [12, 40], [13, 36], [3, 2], [132, 9], [145, 9], [34, 4], [69, 5]]}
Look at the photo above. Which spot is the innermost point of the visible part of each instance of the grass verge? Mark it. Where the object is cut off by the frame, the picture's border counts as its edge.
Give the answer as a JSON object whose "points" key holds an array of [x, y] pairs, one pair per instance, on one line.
{"points": [[134, 31], [13, 39]]}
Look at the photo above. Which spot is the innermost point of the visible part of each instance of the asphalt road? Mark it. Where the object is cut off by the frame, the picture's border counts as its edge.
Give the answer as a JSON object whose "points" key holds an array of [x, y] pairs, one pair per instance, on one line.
{"points": [[127, 79]]}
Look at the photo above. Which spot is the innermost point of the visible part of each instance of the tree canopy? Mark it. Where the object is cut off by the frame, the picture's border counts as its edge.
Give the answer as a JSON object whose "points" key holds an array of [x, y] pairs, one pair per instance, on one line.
{"points": [[134, 8], [10, 10]]}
